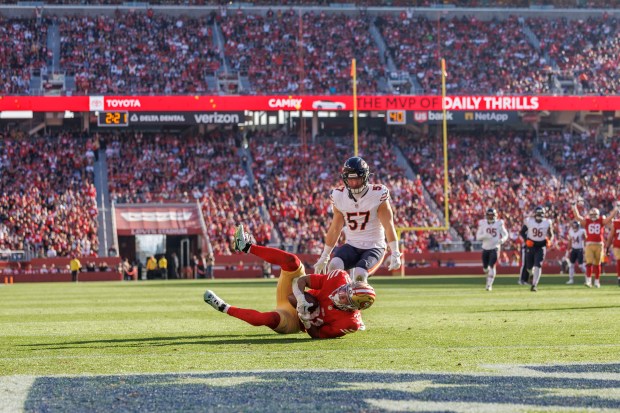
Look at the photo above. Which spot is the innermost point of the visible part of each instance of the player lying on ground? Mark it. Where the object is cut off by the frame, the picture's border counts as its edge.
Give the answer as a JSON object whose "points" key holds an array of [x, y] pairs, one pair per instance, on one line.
{"points": [[329, 309]]}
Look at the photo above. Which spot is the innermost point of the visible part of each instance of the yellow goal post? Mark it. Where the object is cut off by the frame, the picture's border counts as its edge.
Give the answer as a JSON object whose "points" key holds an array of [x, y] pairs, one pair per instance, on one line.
{"points": [[446, 183]]}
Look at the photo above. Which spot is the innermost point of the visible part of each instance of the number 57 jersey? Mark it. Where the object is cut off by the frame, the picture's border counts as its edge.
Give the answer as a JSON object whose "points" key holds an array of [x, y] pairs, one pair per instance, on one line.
{"points": [[362, 227]]}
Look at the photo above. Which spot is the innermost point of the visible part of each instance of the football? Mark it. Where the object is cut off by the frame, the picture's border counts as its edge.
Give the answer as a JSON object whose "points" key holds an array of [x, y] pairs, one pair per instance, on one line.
{"points": [[309, 298]]}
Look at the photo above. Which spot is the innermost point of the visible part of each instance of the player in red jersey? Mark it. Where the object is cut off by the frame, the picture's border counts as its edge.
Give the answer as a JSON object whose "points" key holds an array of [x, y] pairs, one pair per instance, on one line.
{"points": [[594, 225], [613, 241], [339, 300]]}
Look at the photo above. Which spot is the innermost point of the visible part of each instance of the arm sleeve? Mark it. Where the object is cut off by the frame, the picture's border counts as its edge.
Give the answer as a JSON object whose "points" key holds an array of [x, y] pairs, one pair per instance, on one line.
{"points": [[480, 235], [503, 233], [523, 232]]}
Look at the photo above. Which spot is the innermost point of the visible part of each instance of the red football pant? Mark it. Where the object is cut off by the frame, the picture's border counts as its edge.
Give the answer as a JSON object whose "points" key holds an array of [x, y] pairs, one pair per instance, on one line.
{"points": [[270, 319], [286, 260]]}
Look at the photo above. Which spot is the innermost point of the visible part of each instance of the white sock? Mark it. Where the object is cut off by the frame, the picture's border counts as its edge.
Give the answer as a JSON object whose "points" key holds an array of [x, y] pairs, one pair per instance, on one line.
{"points": [[537, 273], [571, 272], [359, 274]]}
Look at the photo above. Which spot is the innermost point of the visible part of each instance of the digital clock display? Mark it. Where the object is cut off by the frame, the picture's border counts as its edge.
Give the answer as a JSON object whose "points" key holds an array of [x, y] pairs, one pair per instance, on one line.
{"points": [[396, 117], [117, 118]]}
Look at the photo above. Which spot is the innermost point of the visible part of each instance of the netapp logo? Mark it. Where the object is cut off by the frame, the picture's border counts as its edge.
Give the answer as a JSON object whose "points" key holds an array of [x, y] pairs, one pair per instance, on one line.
{"points": [[123, 103], [216, 118], [487, 117]]}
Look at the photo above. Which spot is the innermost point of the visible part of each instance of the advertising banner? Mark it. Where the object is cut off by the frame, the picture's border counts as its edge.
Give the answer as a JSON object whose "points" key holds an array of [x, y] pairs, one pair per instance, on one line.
{"points": [[172, 219], [464, 118], [218, 103]]}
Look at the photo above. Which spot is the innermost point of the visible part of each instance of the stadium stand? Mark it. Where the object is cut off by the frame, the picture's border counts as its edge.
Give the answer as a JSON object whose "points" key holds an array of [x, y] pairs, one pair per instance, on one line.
{"points": [[206, 169], [269, 49], [490, 170], [138, 52], [22, 51], [590, 56], [47, 203]]}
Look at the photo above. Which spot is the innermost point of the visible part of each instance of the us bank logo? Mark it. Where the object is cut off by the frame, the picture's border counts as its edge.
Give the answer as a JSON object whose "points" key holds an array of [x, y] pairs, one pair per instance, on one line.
{"points": [[549, 388]]}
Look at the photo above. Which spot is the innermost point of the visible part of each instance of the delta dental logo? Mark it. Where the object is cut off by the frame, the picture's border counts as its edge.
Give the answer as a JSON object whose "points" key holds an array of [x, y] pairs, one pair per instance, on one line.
{"points": [[156, 216]]}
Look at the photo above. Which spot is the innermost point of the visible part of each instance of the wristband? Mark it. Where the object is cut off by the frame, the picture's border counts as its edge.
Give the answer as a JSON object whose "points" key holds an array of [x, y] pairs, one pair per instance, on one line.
{"points": [[327, 250], [299, 295], [394, 247]]}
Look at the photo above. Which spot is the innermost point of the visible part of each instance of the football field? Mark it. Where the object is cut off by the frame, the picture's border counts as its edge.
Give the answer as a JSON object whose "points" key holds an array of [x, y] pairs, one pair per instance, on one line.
{"points": [[431, 344]]}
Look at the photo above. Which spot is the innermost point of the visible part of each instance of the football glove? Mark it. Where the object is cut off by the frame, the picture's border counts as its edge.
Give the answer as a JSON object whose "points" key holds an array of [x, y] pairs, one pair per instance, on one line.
{"points": [[321, 265], [395, 257], [394, 261], [305, 320], [303, 307]]}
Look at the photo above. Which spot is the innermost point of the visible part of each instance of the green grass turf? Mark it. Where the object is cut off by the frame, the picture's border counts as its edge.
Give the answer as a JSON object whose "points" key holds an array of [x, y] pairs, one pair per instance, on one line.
{"points": [[417, 324]]}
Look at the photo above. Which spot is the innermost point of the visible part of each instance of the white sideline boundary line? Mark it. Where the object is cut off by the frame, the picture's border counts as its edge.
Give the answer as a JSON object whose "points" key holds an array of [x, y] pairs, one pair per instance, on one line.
{"points": [[13, 392]]}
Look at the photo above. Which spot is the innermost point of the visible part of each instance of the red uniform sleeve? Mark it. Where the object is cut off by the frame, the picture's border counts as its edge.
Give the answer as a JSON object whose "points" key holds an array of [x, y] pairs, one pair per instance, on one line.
{"points": [[316, 281], [338, 329]]}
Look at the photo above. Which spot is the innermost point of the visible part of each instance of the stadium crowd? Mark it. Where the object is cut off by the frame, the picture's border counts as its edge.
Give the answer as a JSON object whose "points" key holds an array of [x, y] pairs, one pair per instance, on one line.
{"points": [[360, 3], [138, 52], [590, 53], [308, 51], [491, 170], [283, 52], [488, 57], [22, 50], [47, 203], [166, 168]]}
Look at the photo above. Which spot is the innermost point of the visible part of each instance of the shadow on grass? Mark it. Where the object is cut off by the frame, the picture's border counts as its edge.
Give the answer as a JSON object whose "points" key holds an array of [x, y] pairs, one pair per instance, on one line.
{"points": [[227, 339]]}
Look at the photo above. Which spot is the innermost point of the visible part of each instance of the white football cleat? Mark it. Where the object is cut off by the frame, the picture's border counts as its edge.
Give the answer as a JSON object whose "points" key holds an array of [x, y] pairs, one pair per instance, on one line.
{"points": [[242, 241], [569, 282], [597, 284], [215, 301]]}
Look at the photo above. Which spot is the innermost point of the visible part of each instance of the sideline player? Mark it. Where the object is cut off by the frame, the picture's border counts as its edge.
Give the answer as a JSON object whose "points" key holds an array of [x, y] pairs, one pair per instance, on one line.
{"points": [[613, 241], [363, 210], [576, 242], [594, 226], [339, 300], [539, 235], [492, 233]]}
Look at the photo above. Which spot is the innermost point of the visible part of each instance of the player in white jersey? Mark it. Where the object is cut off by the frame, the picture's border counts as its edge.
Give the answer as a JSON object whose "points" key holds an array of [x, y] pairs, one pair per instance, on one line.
{"points": [[364, 212], [576, 243], [492, 233], [538, 235]]}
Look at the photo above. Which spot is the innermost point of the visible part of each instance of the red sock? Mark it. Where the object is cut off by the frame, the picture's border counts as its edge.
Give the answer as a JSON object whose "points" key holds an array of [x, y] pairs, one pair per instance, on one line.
{"points": [[597, 271], [270, 319], [588, 270], [618, 268], [286, 260]]}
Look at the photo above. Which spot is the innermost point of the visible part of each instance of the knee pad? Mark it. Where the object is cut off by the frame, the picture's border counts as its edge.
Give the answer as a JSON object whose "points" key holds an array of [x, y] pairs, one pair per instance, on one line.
{"points": [[336, 264]]}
